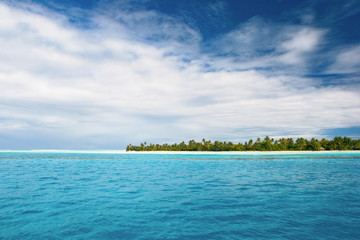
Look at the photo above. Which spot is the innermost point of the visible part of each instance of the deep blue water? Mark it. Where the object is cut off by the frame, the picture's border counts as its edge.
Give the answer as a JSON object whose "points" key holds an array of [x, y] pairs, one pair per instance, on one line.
{"points": [[137, 196]]}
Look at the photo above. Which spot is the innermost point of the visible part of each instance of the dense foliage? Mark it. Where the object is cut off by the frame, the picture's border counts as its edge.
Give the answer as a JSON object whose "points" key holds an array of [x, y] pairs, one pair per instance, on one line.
{"points": [[267, 144]]}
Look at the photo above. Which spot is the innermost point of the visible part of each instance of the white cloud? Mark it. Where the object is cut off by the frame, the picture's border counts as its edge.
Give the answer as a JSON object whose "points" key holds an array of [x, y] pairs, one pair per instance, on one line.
{"points": [[346, 61], [258, 43], [300, 43], [92, 87]]}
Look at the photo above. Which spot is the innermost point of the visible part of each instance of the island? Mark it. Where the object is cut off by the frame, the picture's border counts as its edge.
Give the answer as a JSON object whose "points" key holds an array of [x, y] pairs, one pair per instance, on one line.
{"points": [[267, 144]]}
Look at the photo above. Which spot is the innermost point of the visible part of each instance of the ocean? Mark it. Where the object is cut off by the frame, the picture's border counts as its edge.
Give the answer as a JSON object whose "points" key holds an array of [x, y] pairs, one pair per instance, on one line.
{"points": [[94, 195]]}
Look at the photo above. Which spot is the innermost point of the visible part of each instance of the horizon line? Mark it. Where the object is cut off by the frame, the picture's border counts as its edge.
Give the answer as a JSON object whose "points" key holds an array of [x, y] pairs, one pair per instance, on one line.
{"points": [[180, 152]]}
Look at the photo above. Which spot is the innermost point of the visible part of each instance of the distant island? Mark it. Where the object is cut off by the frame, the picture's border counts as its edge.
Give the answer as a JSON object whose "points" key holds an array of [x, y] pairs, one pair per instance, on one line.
{"points": [[267, 144]]}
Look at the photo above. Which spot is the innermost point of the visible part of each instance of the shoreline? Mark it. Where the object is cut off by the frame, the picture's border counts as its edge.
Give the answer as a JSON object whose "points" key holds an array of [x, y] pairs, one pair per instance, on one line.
{"points": [[184, 152], [245, 152]]}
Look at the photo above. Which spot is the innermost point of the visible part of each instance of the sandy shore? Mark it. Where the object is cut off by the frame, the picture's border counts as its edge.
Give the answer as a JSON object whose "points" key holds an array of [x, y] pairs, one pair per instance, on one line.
{"points": [[185, 152], [245, 152]]}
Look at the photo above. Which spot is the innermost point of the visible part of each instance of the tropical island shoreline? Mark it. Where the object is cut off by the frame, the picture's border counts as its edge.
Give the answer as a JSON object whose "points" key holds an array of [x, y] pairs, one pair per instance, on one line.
{"points": [[267, 144], [50, 151], [332, 152]]}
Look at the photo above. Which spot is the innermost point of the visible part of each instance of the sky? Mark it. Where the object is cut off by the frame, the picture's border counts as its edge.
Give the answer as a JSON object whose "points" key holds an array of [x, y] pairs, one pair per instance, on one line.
{"points": [[86, 74]]}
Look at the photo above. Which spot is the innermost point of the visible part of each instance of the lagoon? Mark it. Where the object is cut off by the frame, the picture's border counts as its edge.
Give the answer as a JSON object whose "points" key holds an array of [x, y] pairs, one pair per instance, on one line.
{"points": [[117, 195]]}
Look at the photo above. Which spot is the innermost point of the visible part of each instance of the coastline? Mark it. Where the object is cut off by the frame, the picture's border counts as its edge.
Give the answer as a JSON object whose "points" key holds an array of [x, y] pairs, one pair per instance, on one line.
{"points": [[186, 152], [245, 152]]}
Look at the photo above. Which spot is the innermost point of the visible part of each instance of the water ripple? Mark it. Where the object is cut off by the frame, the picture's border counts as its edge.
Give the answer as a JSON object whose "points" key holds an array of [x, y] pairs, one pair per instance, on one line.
{"points": [[115, 196]]}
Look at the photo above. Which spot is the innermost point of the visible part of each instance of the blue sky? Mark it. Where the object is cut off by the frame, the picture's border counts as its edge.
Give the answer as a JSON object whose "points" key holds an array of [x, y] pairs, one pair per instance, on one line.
{"points": [[103, 74]]}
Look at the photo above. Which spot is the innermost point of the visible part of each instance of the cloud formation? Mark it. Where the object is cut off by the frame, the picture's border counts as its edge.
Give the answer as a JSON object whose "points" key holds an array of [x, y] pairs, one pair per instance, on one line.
{"points": [[146, 76]]}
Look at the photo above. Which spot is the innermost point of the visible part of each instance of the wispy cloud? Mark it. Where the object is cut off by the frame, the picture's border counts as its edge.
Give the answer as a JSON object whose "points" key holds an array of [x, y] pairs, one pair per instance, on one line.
{"points": [[262, 44], [347, 60]]}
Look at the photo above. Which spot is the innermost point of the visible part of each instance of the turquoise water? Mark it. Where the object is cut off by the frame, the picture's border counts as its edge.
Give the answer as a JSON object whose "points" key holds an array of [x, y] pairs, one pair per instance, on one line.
{"points": [[184, 196]]}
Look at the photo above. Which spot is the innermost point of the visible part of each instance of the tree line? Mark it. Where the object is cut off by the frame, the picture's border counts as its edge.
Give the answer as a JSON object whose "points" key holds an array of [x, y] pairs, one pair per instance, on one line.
{"points": [[267, 144]]}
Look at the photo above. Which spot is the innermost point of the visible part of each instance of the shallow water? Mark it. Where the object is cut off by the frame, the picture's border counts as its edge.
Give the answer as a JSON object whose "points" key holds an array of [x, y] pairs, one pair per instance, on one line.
{"points": [[184, 196]]}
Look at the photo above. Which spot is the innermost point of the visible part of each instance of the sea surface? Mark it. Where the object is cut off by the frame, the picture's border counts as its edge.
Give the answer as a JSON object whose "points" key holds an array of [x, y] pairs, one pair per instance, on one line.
{"points": [[74, 195]]}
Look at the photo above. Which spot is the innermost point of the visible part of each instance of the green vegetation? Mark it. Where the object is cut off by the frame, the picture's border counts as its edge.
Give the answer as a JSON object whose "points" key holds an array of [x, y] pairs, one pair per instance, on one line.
{"points": [[267, 144]]}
